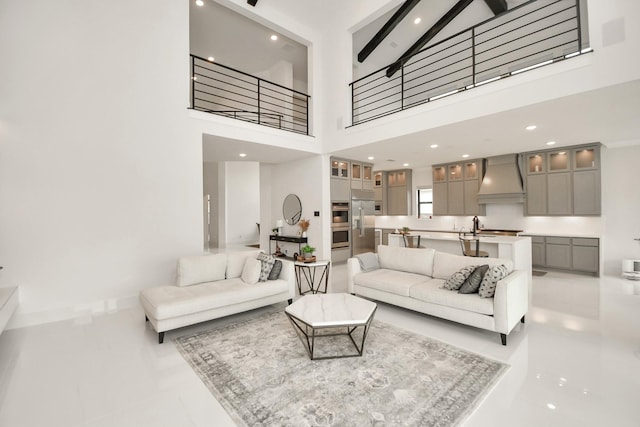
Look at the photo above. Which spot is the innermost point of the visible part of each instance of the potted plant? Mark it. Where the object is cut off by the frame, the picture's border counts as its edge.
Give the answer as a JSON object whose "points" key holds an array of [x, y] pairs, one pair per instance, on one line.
{"points": [[275, 231], [405, 230], [308, 251]]}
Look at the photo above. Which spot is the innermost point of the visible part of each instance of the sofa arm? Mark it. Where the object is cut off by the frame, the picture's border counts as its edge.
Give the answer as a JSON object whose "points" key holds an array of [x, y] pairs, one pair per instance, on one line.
{"points": [[288, 274], [511, 301], [353, 268]]}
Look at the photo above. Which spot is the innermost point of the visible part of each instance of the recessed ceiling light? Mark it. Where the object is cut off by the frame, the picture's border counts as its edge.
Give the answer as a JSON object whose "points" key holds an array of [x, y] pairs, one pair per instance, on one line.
{"points": [[551, 406], [417, 20], [464, 156], [370, 158], [405, 164], [274, 37], [243, 154], [551, 143], [531, 127], [211, 58], [199, 3], [434, 146]]}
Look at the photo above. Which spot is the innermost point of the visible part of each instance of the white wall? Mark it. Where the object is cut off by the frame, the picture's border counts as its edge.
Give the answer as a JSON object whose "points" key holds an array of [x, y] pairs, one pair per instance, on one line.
{"points": [[242, 202], [100, 190]]}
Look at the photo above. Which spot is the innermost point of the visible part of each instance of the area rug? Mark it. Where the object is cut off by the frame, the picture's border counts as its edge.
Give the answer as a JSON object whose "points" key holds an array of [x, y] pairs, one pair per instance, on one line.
{"points": [[261, 373]]}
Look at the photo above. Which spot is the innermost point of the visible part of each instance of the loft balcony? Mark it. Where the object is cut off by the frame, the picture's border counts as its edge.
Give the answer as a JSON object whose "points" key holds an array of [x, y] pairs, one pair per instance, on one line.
{"points": [[534, 34], [225, 91]]}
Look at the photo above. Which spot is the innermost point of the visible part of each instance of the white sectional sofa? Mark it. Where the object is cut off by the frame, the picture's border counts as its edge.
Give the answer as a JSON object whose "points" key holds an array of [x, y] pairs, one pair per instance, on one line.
{"points": [[213, 286], [414, 278]]}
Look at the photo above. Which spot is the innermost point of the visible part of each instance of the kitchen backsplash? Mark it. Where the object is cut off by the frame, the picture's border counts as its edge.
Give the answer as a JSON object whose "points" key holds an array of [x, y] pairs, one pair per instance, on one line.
{"points": [[508, 216]]}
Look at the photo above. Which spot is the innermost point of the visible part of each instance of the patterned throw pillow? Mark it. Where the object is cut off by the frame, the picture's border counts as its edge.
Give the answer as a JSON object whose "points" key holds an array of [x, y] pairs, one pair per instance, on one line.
{"points": [[491, 279], [456, 280], [267, 262], [275, 271], [472, 284]]}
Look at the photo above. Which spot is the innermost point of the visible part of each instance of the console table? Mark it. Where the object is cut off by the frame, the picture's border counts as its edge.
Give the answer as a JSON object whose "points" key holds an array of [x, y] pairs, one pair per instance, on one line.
{"points": [[289, 239]]}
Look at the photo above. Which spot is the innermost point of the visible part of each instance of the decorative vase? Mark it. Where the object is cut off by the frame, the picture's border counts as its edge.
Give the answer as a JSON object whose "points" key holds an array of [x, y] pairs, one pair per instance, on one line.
{"points": [[308, 255], [304, 234]]}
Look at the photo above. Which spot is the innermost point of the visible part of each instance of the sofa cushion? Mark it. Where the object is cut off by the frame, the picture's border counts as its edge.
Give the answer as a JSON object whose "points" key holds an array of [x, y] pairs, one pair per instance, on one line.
{"points": [[472, 284], [490, 280], [445, 264], [235, 262], [368, 261], [251, 271], [432, 291], [201, 269], [165, 302], [393, 281], [275, 271], [456, 280], [410, 260], [266, 262]]}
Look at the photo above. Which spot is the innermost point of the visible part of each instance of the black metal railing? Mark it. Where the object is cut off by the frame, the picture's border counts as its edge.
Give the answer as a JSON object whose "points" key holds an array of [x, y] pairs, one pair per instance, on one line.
{"points": [[222, 90], [528, 36]]}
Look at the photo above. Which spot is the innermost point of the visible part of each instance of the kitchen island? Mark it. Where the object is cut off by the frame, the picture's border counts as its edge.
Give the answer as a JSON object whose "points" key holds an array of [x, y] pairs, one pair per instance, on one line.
{"points": [[515, 248]]}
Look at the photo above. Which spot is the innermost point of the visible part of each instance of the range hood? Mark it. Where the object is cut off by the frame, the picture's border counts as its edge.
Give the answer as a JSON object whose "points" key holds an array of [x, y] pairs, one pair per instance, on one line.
{"points": [[502, 182]]}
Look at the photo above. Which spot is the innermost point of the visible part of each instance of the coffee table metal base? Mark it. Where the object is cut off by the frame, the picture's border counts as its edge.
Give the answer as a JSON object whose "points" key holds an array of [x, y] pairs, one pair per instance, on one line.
{"points": [[308, 335]]}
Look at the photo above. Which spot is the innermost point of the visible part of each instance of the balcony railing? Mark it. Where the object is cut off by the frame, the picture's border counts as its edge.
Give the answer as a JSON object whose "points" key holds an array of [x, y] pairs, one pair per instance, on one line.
{"points": [[536, 33], [222, 90]]}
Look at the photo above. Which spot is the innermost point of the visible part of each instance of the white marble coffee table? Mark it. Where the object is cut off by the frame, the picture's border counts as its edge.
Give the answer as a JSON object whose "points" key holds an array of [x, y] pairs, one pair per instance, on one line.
{"points": [[312, 314]]}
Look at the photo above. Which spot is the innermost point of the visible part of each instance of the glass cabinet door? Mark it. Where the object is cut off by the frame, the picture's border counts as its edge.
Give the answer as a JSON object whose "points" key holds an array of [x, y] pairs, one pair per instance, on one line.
{"points": [[367, 173], [355, 171], [470, 170], [439, 174], [584, 158], [455, 172], [558, 161], [535, 163]]}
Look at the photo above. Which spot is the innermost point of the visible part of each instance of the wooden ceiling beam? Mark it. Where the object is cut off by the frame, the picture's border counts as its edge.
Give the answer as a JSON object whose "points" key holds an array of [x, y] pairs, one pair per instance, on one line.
{"points": [[497, 6], [431, 33], [386, 29]]}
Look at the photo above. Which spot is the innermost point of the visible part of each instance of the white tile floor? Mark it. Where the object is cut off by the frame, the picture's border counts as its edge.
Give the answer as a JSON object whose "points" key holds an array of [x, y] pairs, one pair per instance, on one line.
{"points": [[575, 363]]}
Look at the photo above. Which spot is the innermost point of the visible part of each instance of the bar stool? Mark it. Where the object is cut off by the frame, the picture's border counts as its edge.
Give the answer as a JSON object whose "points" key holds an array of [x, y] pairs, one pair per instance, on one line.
{"points": [[467, 241], [411, 240]]}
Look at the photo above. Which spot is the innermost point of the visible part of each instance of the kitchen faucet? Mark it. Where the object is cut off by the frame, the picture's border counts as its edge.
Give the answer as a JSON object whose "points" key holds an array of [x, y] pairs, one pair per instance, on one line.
{"points": [[476, 224]]}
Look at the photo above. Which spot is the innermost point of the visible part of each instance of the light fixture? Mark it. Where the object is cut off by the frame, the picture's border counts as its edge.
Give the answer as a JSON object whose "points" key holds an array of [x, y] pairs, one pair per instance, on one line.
{"points": [[464, 156], [211, 58], [434, 146], [243, 154], [370, 158], [531, 127], [551, 143], [417, 20], [551, 406], [199, 3], [405, 164], [274, 37]]}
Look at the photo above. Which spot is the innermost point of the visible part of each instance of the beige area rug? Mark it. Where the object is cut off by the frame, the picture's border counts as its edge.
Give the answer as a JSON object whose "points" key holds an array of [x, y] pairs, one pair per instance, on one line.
{"points": [[260, 372]]}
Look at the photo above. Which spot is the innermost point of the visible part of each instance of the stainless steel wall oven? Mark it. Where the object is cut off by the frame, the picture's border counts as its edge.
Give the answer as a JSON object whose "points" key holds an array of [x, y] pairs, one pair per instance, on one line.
{"points": [[339, 225]]}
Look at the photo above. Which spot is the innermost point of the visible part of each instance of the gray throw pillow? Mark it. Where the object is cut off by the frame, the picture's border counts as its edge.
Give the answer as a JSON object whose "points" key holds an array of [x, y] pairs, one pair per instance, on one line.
{"points": [[472, 284], [490, 280], [456, 280], [267, 262], [275, 271]]}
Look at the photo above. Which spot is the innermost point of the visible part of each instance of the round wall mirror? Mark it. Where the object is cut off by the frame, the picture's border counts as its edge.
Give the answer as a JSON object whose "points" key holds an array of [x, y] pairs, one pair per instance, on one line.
{"points": [[292, 209]]}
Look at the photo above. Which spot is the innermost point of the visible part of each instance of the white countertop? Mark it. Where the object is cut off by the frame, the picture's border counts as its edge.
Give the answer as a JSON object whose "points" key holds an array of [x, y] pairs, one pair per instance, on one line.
{"points": [[454, 237]]}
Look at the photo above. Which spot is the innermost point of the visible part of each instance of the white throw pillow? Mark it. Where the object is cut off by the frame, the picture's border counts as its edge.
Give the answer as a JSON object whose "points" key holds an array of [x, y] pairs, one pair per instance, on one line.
{"points": [[201, 269], [235, 262], [251, 271]]}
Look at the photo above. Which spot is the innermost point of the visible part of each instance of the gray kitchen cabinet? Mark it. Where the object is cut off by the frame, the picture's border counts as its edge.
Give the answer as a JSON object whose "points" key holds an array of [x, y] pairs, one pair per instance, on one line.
{"points": [[340, 190], [455, 188], [564, 181], [585, 255], [579, 254], [440, 195], [559, 194], [455, 197], [558, 252], [537, 194], [356, 176], [538, 252], [399, 192], [367, 176], [586, 192]]}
